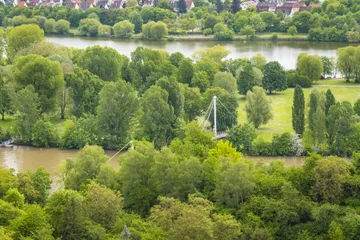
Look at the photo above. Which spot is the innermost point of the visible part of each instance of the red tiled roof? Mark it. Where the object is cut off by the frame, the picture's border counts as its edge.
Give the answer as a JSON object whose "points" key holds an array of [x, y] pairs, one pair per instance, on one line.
{"points": [[21, 4]]}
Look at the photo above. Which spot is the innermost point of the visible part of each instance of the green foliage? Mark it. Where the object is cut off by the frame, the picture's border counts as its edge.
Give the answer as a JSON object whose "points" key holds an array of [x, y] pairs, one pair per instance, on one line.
{"points": [[222, 32], [245, 78], [44, 75], [274, 77], [241, 137], [84, 91], [49, 25], [258, 107], [21, 37], [124, 29], [83, 167], [7, 181], [298, 111], [226, 81], [185, 72], [44, 134], [118, 107], [292, 30], [157, 116], [247, 31], [104, 62], [89, 27], [357, 107], [62, 26], [14, 197], [136, 19], [27, 104], [154, 30], [310, 66]]}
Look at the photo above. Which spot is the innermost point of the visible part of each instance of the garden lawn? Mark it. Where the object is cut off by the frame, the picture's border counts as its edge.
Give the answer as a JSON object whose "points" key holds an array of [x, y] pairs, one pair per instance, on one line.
{"points": [[282, 104]]}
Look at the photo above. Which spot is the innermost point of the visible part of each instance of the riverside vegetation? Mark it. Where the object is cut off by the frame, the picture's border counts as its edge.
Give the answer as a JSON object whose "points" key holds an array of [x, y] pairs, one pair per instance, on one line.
{"points": [[56, 96], [333, 21], [178, 183]]}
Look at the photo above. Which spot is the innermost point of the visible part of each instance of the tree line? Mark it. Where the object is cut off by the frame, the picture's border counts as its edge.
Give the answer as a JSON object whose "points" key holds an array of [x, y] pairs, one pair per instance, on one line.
{"points": [[333, 21], [108, 99], [195, 189]]}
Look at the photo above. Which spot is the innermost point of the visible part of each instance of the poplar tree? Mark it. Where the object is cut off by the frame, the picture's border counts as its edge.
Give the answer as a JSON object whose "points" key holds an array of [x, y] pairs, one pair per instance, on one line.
{"points": [[330, 100], [182, 6], [298, 111]]}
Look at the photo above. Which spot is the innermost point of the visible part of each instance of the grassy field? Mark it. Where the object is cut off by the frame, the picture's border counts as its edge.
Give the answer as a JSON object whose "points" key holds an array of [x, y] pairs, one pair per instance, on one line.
{"points": [[282, 104]]}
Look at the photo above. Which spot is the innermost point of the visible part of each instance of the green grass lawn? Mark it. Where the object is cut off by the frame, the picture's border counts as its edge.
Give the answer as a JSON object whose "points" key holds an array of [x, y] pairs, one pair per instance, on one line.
{"points": [[282, 104]]}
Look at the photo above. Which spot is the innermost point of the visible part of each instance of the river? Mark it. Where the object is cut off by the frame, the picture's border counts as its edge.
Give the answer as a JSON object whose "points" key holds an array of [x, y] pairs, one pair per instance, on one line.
{"points": [[22, 158], [285, 52]]}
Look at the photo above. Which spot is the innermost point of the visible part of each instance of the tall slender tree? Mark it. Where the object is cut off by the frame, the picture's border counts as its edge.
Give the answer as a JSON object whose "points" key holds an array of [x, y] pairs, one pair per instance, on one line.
{"points": [[298, 111], [182, 6], [235, 6], [330, 100]]}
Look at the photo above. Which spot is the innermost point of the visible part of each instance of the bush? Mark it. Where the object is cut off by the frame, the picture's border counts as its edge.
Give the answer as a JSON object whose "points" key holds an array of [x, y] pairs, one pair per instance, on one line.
{"points": [[222, 33], [207, 32], [282, 145], [294, 78], [262, 148], [62, 26], [44, 134], [274, 36], [124, 29]]}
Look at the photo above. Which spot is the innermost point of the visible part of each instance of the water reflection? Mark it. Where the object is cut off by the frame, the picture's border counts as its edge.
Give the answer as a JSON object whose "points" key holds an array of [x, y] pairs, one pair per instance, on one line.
{"points": [[285, 52]]}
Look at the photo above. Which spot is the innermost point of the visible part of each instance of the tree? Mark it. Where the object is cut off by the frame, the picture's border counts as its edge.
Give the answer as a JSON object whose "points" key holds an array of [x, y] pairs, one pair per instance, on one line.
{"points": [[185, 71], [116, 113], [124, 29], [328, 66], [258, 61], [247, 31], [102, 205], [135, 18], [225, 80], [44, 75], [241, 137], [89, 27], [28, 107], [49, 25], [222, 32], [310, 65], [62, 26], [6, 101], [175, 58], [298, 111], [44, 134], [245, 78], [21, 37], [346, 61], [216, 53], [157, 116], [104, 62], [200, 80], [137, 188], [176, 98], [83, 167], [192, 103], [274, 77], [330, 100], [235, 6], [158, 30], [330, 175], [258, 107], [32, 223], [182, 6], [235, 185], [356, 107], [8, 180], [65, 209], [292, 31]]}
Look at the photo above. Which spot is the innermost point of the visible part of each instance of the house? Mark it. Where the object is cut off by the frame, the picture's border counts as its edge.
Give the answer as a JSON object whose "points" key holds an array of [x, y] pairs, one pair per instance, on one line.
{"points": [[118, 4], [102, 4], [21, 4], [34, 3], [245, 5], [189, 4], [84, 6], [266, 7]]}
